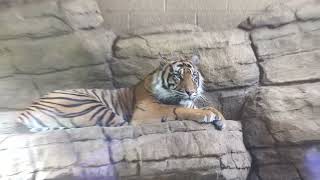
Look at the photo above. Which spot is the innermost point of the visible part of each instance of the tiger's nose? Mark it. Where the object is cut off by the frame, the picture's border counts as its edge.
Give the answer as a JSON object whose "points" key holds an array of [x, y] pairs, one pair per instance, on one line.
{"points": [[189, 92]]}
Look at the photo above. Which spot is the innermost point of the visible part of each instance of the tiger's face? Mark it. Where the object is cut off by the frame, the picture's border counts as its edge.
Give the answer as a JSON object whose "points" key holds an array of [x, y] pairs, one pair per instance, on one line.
{"points": [[179, 81]]}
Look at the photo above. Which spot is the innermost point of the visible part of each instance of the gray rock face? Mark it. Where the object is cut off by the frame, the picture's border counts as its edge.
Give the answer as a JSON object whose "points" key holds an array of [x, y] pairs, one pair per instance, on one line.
{"points": [[281, 124], [32, 21], [227, 59], [43, 48], [289, 112], [82, 14], [171, 150]]}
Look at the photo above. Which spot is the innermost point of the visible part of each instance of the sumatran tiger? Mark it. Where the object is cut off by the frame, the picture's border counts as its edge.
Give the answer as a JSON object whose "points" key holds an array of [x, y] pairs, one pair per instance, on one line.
{"points": [[166, 94]]}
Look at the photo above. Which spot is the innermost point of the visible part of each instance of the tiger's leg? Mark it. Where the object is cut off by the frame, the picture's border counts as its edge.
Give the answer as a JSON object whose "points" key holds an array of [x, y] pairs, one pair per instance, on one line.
{"points": [[205, 115], [156, 113]]}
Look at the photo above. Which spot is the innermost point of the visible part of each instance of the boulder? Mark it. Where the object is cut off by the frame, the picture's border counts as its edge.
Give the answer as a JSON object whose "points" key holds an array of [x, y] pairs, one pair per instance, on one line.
{"points": [[281, 127], [171, 150], [48, 55], [289, 112], [45, 19], [227, 58], [82, 14]]}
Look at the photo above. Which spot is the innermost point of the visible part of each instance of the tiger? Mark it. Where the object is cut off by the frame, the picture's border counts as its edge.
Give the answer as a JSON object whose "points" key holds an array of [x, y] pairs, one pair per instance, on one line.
{"points": [[168, 93]]}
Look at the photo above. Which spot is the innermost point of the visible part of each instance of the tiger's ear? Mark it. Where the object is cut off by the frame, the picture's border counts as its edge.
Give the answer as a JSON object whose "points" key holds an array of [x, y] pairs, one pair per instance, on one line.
{"points": [[163, 60], [195, 59]]}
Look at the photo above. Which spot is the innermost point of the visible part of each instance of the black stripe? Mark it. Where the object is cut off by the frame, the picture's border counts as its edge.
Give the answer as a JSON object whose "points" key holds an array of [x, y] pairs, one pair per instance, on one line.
{"points": [[100, 118], [97, 112], [36, 119], [103, 97], [162, 76], [114, 103], [86, 111], [43, 110], [70, 105], [96, 95], [71, 94], [55, 109], [111, 117], [69, 99]]}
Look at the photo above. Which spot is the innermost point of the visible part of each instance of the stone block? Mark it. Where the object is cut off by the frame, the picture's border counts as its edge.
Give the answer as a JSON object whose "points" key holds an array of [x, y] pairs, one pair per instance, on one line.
{"points": [[55, 175], [86, 133], [126, 169], [45, 19], [82, 14], [229, 67], [173, 155], [282, 108], [309, 11], [275, 15], [89, 77], [92, 153], [47, 55], [151, 45], [16, 161], [278, 172], [13, 96], [292, 44], [118, 22], [291, 68], [56, 156], [227, 60], [172, 28]]}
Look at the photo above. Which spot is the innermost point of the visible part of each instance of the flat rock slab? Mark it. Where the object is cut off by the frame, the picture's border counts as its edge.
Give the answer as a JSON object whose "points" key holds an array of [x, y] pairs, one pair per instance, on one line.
{"points": [[290, 112], [227, 59], [172, 150]]}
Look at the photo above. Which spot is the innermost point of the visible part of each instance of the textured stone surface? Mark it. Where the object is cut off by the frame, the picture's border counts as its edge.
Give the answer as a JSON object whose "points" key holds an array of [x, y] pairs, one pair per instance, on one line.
{"points": [[282, 127], [74, 154], [174, 28], [227, 59], [289, 112], [296, 43], [45, 19], [281, 124], [229, 102], [303, 66], [274, 16], [12, 87], [309, 11], [82, 14], [52, 45], [48, 55]]}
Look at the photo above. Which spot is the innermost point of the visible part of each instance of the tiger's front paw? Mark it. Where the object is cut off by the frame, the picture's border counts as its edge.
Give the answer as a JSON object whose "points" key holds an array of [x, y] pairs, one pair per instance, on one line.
{"points": [[218, 124], [215, 119]]}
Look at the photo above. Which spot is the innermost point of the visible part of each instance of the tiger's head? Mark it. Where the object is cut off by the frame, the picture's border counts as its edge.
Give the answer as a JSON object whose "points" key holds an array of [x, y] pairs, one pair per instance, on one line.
{"points": [[178, 80]]}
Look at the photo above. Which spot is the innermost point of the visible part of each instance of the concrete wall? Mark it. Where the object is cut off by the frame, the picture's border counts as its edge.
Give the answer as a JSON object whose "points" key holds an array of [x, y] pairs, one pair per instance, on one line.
{"points": [[125, 16]]}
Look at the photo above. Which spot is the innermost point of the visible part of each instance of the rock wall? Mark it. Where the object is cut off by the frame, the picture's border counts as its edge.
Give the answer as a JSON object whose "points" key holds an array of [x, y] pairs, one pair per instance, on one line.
{"points": [[51, 45], [281, 120], [67, 47], [267, 75], [174, 150]]}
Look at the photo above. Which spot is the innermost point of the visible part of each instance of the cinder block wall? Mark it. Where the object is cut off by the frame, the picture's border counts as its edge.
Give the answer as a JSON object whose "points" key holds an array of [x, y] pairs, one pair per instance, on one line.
{"points": [[125, 16]]}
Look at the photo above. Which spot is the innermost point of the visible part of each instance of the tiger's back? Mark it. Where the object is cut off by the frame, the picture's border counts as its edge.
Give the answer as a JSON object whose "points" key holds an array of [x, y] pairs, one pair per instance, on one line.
{"points": [[79, 108]]}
